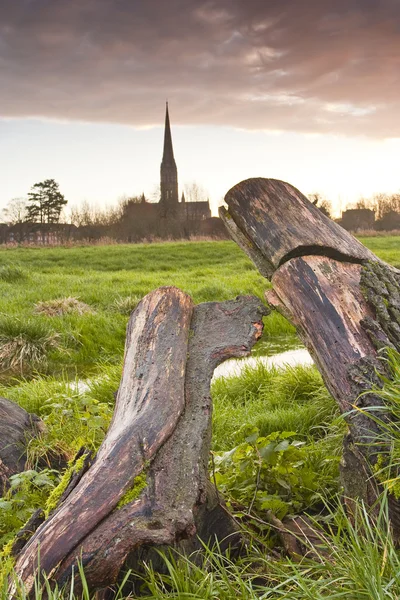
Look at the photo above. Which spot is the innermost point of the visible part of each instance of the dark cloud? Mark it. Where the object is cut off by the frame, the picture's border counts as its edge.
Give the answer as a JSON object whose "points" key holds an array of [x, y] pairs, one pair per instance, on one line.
{"points": [[310, 66]]}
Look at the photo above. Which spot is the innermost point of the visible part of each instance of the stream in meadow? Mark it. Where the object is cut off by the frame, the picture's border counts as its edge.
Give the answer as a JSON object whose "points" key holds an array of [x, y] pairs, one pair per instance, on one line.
{"points": [[283, 352]]}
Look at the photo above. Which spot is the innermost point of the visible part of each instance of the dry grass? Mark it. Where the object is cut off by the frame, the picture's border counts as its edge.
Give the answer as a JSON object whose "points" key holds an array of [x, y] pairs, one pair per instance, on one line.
{"points": [[125, 305], [375, 233], [62, 306], [24, 345], [109, 241]]}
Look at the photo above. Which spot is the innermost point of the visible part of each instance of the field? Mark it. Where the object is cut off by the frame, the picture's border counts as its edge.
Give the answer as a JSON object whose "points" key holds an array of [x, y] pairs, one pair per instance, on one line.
{"points": [[63, 314], [110, 280]]}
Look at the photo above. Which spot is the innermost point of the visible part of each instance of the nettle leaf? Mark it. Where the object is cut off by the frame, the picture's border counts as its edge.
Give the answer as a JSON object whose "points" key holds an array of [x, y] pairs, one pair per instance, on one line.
{"points": [[246, 431], [5, 504], [251, 439], [283, 483], [267, 451], [283, 435], [277, 466], [42, 479], [282, 446]]}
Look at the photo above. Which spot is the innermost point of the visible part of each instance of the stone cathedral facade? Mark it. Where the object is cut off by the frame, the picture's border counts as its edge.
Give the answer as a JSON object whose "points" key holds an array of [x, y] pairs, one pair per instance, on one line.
{"points": [[169, 205]]}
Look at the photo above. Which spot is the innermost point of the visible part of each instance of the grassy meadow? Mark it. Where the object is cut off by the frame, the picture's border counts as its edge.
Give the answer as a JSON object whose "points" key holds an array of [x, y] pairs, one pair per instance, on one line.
{"points": [[109, 281], [63, 314]]}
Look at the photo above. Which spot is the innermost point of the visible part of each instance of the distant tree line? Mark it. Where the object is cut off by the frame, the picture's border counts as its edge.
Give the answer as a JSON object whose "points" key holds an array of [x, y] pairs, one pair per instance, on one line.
{"points": [[381, 212], [40, 218], [44, 204]]}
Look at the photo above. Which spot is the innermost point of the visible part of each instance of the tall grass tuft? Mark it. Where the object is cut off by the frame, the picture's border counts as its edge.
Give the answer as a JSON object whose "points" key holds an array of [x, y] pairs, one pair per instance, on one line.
{"points": [[359, 562], [387, 467], [24, 345], [12, 273], [125, 305]]}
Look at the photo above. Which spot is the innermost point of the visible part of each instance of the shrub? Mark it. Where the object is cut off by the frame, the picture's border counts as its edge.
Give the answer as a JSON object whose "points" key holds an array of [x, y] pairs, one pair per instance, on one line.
{"points": [[274, 473], [28, 492]]}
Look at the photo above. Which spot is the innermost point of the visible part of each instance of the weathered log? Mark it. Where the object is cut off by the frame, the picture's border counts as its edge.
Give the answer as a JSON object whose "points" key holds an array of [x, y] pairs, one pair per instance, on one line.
{"points": [[275, 222], [17, 427], [320, 276], [148, 484]]}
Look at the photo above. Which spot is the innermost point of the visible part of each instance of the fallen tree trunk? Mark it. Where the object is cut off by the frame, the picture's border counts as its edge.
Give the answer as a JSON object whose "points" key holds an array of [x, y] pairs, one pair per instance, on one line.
{"points": [[17, 427], [148, 484], [343, 301]]}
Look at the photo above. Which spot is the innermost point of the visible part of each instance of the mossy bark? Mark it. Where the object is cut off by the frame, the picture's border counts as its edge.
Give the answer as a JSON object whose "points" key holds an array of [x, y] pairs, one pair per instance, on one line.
{"points": [[380, 285], [344, 302], [148, 485], [17, 427]]}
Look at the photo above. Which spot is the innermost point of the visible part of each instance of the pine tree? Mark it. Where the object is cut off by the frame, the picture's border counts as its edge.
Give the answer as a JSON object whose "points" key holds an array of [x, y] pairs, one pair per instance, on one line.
{"points": [[45, 202]]}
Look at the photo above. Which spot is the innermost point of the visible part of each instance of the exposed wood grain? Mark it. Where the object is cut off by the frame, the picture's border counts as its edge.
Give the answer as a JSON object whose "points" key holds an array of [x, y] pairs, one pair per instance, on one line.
{"points": [[325, 302], [344, 301], [16, 427], [281, 223], [176, 503], [149, 403]]}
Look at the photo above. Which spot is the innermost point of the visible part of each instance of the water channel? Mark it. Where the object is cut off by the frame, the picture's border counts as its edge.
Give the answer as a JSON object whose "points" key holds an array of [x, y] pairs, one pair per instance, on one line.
{"points": [[281, 353], [289, 358]]}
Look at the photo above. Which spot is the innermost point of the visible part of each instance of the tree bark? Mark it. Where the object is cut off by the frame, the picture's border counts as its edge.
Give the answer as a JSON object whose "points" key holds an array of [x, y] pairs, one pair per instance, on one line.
{"points": [[17, 427], [148, 484], [328, 285]]}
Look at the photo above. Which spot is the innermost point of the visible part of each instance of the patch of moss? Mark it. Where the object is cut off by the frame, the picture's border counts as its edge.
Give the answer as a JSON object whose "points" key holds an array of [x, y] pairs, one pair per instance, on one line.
{"points": [[56, 494], [7, 549], [383, 474], [139, 484], [7, 562]]}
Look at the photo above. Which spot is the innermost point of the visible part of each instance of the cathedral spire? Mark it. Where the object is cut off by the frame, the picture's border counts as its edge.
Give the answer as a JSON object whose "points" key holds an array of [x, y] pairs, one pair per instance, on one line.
{"points": [[169, 201], [168, 154]]}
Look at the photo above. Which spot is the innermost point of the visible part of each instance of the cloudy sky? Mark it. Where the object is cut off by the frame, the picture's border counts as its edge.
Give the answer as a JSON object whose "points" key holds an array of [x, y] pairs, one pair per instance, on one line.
{"points": [[302, 90]]}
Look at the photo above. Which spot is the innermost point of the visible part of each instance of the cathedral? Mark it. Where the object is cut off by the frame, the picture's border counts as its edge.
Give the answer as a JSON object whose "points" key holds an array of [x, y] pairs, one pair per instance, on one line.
{"points": [[169, 205]]}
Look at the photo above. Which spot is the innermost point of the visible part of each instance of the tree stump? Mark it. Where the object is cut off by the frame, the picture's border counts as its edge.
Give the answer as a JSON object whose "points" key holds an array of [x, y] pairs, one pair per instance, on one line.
{"points": [[343, 300], [148, 484], [17, 427]]}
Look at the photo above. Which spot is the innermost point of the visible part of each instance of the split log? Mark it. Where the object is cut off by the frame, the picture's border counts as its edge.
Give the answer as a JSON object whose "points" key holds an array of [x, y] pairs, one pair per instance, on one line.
{"points": [[17, 427], [329, 286], [148, 484]]}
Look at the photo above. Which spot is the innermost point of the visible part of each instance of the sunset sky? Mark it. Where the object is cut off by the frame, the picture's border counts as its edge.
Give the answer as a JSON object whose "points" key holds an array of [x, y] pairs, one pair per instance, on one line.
{"points": [[302, 90]]}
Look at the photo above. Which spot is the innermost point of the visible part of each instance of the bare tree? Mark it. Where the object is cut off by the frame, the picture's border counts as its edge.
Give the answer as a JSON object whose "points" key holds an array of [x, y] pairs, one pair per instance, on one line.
{"points": [[322, 203], [155, 194], [15, 211], [385, 204], [89, 214], [194, 192]]}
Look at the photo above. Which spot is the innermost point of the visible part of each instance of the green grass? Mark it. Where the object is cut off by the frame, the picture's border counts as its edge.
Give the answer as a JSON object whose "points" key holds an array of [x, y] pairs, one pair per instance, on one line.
{"points": [[292, 399], [11, 273], [251, 414], [276, 439], [387, 248], [25, 345], [362, 564], [110, 280]]}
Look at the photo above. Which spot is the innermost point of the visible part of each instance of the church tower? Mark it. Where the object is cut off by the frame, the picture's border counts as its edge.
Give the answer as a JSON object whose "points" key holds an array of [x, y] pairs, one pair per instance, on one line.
{"points": [[169, 201]]}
